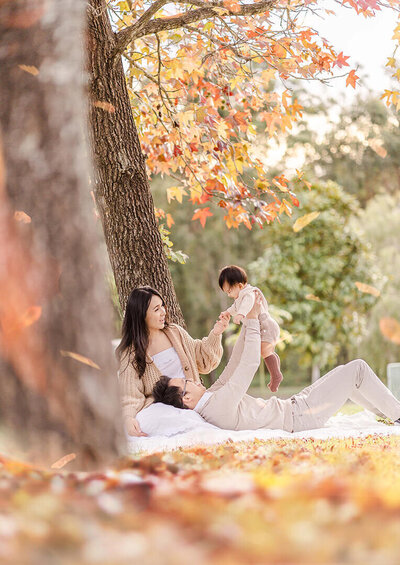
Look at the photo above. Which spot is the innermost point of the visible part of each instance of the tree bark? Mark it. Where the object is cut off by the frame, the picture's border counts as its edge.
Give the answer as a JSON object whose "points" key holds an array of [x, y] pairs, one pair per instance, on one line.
{"points": [[121, 185], [54, 300]]}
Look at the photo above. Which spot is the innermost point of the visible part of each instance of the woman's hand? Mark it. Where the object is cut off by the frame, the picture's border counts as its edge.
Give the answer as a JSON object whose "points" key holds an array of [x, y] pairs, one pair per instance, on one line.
{"points": [[133, 429], [222, 323]]}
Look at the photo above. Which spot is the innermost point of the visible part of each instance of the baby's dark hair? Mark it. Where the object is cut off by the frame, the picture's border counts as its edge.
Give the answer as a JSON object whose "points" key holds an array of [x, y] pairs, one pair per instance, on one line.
{"points": [[163, 392], [232, 275]]}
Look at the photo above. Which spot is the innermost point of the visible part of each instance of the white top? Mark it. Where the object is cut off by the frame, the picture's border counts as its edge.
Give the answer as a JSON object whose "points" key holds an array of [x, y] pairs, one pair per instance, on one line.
{"points": [[169, 364], [245, 300], [202, 401]]}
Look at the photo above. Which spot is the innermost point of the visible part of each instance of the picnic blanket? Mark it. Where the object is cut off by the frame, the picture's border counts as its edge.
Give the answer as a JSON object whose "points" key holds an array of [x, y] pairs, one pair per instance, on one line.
{"points": [[169, 428]]}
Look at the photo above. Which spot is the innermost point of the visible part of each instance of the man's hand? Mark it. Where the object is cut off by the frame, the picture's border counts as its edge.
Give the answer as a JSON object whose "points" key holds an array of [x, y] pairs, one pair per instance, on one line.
{"points": [[222, 323], [133, 428], [238, 318]]}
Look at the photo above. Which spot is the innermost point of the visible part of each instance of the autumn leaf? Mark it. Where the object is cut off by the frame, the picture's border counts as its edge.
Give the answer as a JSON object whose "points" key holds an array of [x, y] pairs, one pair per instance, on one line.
{"points": [[106, 106], [390, 328], [202, 214], [175, 192], [22, 217], [80, 358], [29, 69], [303, 221], [60, 463], [341, 60], [352, 79], [313, 297], [367, 289]]}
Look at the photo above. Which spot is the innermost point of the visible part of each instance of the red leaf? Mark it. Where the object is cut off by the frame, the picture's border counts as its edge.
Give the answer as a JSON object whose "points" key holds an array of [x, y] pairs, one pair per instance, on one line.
{"points": [[352, 78]]}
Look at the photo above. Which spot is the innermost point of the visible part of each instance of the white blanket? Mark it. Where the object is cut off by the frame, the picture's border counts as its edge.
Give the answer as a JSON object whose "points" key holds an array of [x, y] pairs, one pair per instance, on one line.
{"points": [[170, 428]]}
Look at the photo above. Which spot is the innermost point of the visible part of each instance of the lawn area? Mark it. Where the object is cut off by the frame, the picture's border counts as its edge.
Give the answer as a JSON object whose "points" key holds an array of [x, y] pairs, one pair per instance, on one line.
{"points": [[281, 501]]}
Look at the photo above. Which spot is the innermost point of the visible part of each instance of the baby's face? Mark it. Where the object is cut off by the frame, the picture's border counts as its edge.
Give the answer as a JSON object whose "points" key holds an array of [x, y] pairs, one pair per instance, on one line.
{"points": [[232, 291]]}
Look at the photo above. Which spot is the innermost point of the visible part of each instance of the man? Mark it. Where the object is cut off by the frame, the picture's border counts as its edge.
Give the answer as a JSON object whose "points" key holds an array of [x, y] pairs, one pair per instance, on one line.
{"points": [[226, 404]]}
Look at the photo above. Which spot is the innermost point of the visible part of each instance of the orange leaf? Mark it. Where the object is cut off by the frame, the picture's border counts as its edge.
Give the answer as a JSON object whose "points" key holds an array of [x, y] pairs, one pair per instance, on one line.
{"points": [[367, 289], [390, 328], [31, 316], [20, 216], [80, 358], [29, 69], [63, 461], [106, 106], [202, 214], [303, 221], [352, 78]]}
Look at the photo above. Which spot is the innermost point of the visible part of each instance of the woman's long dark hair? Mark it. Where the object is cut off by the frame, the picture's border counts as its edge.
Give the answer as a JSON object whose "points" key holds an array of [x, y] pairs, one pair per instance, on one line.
{"points": [[135, 335]]}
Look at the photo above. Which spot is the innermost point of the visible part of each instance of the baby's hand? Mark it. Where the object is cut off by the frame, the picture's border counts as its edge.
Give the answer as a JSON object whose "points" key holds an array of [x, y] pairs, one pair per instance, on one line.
{"points": [[238, 318], [225, 314]]}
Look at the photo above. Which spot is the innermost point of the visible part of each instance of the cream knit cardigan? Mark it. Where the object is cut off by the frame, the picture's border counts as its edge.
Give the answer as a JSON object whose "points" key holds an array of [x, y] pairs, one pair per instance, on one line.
{"points": [[196, 355]]}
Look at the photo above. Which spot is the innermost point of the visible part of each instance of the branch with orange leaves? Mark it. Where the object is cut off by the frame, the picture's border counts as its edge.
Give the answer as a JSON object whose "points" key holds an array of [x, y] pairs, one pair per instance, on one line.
{"points": [[146, 25]]}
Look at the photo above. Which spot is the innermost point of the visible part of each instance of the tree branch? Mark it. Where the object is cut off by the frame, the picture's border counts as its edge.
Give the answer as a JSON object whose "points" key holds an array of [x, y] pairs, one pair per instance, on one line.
{"points": [[146, 26]]}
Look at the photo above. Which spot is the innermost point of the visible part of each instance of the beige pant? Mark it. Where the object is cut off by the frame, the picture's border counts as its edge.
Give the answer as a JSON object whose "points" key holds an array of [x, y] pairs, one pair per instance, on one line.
{"points": [[355, 381]]}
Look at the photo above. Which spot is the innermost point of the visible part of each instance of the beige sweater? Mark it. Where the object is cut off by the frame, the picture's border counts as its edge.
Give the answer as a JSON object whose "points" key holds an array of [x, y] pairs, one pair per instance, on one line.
{"points": [[196, 355]]}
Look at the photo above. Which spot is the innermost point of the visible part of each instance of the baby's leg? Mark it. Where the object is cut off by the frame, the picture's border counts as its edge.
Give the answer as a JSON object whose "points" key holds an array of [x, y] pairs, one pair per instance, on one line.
{"points": [[273, 364]]}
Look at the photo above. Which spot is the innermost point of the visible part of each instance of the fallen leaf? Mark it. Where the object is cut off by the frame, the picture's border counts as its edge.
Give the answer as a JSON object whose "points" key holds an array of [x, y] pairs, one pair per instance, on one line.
{"points": [[313, 297], [80, 358], [20, 216], [106, 106], [63, 461], [390, 328], [29, 69], [303, 221], [367, 289]]}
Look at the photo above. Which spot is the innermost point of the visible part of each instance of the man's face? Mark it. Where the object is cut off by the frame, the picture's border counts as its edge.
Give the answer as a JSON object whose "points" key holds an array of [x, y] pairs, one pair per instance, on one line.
{"points": [[192, 391]]}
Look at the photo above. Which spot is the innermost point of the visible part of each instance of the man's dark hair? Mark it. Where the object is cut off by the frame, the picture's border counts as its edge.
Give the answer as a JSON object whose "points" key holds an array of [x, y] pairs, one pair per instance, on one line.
{"points": [[232, 275], [166, 394]]}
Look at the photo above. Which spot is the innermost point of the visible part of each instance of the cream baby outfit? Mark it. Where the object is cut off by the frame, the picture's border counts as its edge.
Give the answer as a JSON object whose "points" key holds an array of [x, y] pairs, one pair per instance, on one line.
{"points": [[244, 303]]}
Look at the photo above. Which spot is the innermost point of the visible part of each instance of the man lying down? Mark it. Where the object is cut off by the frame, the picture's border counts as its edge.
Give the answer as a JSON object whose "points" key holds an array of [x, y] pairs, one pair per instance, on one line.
{"points": [[227, 405]]}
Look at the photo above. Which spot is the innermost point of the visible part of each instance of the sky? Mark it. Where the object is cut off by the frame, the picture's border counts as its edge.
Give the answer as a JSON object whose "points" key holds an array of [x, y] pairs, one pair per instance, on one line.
{"points": [[368, 43]]}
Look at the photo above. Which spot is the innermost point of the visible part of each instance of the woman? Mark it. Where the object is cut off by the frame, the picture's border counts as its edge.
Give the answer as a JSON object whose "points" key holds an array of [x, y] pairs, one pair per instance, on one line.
{"points": [[151, 347]]}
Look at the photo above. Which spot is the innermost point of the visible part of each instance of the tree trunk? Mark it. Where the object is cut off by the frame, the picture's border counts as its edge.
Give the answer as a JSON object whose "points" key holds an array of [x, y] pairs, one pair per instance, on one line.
{"points": [[121, 185], [54, 300]]}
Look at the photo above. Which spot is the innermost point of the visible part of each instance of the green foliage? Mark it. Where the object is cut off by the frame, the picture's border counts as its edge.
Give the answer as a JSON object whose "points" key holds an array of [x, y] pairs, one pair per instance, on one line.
{"points": [[312, 275], [360, 151]]}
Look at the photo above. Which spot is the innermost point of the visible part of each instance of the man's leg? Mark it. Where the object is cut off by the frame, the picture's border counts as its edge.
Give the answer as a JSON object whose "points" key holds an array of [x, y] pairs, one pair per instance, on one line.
{"points": [[354, 381]]}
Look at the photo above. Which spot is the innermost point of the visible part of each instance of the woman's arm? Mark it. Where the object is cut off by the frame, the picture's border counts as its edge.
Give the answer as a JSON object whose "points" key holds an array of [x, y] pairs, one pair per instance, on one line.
{"points": [[132, 396]]}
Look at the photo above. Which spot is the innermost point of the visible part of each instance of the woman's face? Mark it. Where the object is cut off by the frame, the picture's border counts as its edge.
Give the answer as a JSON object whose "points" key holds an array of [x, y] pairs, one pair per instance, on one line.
{"points": [[155, 315]]}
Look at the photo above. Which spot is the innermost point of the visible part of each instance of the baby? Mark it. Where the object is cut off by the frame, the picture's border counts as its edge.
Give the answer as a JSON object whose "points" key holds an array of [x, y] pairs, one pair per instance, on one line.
{"points": [[233, 281]]}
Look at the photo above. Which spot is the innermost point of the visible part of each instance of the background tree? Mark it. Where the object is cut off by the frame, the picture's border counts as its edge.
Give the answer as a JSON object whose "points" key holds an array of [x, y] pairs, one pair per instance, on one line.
{"points": [[359, 149], [315, 275], [58, 388], [196, 72], [381, 223]]}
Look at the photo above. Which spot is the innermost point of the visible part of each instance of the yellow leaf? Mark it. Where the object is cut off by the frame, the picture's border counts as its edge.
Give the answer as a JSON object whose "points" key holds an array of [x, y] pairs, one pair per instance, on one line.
{"points": [[367, 289], [80, 358], [63, 461], [201, 114], [29, 69], [390, 328], [175, 192], [313, 297], [303, 221]]}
